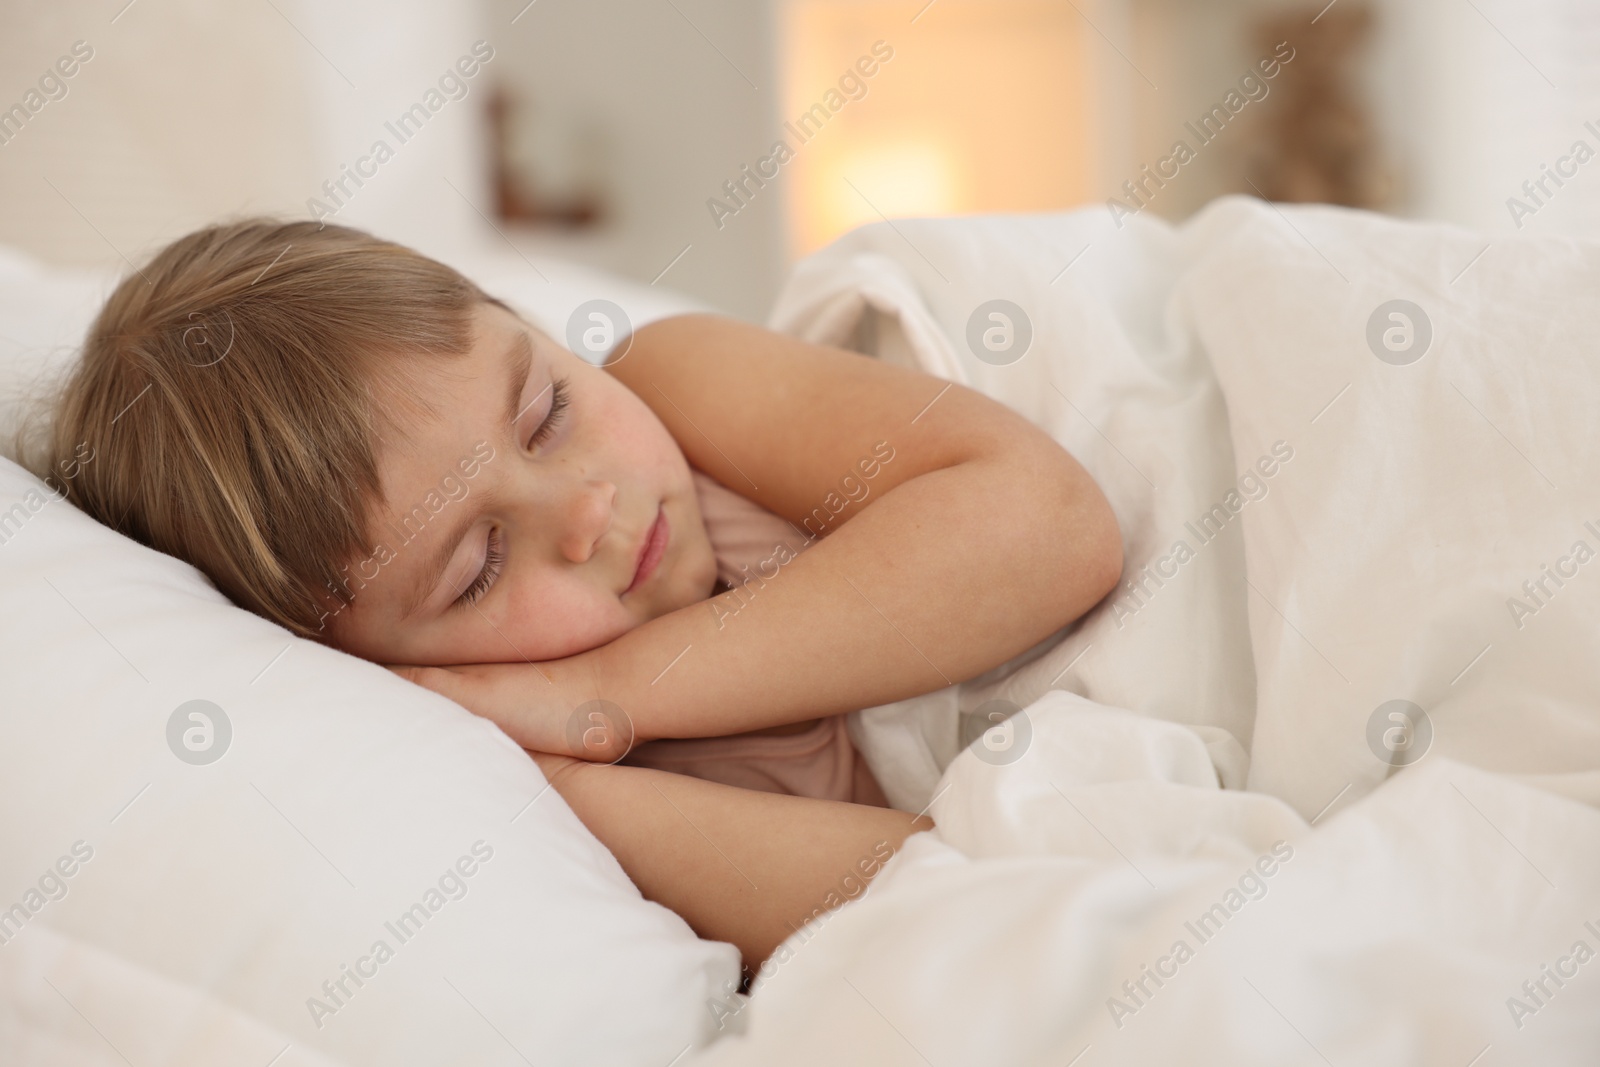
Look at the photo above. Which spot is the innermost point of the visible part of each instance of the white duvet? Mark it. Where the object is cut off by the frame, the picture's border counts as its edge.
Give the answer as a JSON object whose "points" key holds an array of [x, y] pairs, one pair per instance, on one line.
{"points": [[1358, 541]]}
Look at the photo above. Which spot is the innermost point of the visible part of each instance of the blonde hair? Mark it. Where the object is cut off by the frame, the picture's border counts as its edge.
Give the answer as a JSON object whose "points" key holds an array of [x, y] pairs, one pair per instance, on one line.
{"points": [[229, 394]]}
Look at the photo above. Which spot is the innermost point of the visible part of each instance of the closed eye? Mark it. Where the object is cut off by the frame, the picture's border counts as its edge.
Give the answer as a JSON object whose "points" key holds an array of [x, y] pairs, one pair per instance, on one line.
{"points": [[559, 399], [494, 558]]}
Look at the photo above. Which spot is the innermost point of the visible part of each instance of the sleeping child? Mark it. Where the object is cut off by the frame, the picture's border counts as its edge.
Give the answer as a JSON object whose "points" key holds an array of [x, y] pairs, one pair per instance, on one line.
{"points": [[667, 577]]}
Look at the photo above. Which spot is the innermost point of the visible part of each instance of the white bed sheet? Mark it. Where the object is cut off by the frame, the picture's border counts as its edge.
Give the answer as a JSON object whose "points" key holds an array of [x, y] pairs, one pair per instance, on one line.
{"points": [[1408, 501], [1026, 930]]}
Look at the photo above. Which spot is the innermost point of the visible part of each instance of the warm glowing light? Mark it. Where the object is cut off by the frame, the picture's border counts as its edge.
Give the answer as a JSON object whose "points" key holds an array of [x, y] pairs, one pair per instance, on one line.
{"points": [[983, 106], [912, 178]]}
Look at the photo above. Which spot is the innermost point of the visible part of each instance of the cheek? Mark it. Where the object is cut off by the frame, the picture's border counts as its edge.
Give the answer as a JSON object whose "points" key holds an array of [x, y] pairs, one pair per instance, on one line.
{"points": [[368, 634], [633, 434], [552, 616]]}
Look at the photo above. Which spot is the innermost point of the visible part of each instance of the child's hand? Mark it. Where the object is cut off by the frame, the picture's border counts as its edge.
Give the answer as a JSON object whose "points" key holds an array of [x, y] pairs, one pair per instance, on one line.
{"points": [[531, 703]]}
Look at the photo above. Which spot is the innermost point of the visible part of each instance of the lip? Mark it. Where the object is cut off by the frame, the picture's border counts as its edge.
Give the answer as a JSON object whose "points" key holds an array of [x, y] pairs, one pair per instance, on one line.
{"points": [[650, 553]]}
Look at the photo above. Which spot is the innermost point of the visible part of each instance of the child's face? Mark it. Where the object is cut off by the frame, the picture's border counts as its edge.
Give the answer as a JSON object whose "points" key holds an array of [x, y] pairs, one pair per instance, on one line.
{"points": [[493, 546]]}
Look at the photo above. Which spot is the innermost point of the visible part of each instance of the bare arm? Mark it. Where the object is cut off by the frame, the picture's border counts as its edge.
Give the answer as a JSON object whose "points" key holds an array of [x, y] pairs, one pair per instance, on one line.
{"points": [[980, 536], [738, 865]]}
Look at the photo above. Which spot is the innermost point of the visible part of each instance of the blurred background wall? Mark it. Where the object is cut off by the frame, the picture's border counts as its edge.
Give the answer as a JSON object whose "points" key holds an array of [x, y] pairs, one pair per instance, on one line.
{"points": [[634, 134]]}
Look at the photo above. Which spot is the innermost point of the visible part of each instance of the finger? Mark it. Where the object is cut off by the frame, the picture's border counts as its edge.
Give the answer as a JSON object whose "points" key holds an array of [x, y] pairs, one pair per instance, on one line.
{"points": [[445, 683]]}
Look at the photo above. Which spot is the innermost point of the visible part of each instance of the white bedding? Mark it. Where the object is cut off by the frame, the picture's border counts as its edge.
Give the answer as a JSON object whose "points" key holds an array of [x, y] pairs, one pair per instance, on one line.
{"points": [[1411, 493], [1411, 923], [1394, 933], [230, 912]]}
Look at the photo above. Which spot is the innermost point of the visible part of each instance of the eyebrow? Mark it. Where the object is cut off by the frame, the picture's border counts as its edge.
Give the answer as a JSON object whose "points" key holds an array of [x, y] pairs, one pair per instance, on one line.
{"points": [[519, 357]]}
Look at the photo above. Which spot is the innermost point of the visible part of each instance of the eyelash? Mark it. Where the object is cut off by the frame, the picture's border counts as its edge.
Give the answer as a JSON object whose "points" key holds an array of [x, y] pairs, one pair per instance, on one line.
{"points": [[558, 407], [493, 557], [495, 554]]}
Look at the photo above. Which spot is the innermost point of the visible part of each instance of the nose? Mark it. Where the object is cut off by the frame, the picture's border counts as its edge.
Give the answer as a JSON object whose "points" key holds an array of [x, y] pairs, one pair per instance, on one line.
{"points": [[588, 519]]}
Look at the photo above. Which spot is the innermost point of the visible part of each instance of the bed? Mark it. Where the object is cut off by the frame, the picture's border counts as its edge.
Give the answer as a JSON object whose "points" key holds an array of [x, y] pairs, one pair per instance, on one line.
{"points": [[1317, 783]]}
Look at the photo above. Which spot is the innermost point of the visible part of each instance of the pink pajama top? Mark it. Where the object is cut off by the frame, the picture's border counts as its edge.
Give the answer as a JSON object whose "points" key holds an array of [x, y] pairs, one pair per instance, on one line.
{"points": [[818, 759]]}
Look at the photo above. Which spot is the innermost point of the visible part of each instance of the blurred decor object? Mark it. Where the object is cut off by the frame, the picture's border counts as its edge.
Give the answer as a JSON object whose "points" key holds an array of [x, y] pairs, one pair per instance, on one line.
{"points": [[544, 172], [1317, 143]]}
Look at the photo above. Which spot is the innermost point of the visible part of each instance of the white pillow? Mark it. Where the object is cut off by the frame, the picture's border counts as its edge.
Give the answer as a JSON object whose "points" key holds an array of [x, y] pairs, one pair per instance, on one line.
{"points": [[44, 315], [197, 910]]}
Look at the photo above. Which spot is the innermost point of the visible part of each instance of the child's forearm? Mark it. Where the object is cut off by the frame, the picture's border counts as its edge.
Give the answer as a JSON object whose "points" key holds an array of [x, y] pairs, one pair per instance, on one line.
{"points": [[944, 577], [738, 865]]}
